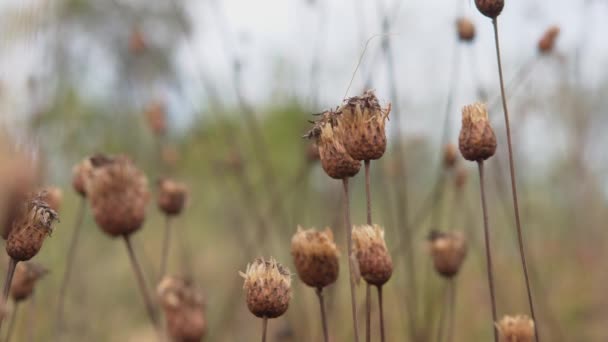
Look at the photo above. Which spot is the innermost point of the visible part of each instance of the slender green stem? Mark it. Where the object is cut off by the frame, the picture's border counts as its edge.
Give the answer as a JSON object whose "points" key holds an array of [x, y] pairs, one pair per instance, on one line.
{"points": [[11, 324], [264, 328], [513, 183], [381, 313], [351, 257], [368, 312], [486, 230], [166, 246], [319, 292]]}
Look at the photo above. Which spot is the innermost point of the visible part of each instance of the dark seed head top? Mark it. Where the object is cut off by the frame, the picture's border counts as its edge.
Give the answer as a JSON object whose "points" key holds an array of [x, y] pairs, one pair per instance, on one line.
{"points": [[267, 288], [172, 196], [490, 8], [315, 256], [477, 141], [448, 251], [466, 29], [375, 262]]}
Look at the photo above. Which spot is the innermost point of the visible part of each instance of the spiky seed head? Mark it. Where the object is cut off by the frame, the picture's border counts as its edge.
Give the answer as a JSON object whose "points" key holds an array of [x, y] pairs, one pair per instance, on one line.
{"points": [[515, 329], [335, 160], [315, 256], [172, 196], [466, 29], [448, 250], [267, 288], [156, 116], [362, 126], [25, 278], [30, 229], [312, 153], [118, 194], [490, 8], [547, 41], [375, 262], [450, 156], [460, 177], [184, 308], [53, 196], [80, 172], [477, 140]]}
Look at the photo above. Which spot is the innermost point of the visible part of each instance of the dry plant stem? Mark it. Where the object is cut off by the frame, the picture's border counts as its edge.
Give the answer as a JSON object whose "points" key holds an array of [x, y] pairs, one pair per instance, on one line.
{"points": [[349, 244], [381, 313], [368, 300], [69, 264], [319, 292], [12, 263], [452, 308], [486, 230], [11, 324], [368, 193], [368, 312], [264, 328], [166, 246], [513, 185], [142, 283]]}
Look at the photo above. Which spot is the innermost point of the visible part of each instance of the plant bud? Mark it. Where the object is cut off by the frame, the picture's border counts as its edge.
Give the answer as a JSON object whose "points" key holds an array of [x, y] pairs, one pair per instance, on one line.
{"points": [[53, 196], [477, 140], [361, 123], [448, 251], [184, 309], [118, 194], [515, 329], [466, 29], [336, 162], [33, 225], [156, 117], [490, 8], [547, 41], [25, 278], [315, 256], [267, 288], [171, 196], [450, 156], [80, 172], [375, 263]]}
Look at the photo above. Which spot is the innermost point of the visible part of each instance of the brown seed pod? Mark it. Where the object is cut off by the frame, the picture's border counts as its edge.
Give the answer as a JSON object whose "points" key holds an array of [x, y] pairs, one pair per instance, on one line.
{"points": [[547, 41], [362, 126], [450, 156], [53, 196], [156, 117], [32, 226], [375, 263], [477, 140], [184, 309], [336, 162], [466, 29], [267, 288], [118, 194], [448, 251], [490, 8], [25, 278], [312, 153], [80, 172], [515, 329], [315, 256], [171, 196]]}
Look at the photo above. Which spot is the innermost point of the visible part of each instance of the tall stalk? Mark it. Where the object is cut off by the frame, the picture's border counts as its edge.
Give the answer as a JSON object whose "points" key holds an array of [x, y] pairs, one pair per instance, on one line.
{"points": [[12, 264], [513, 185], [11, 324], [264, 328], [368, 300], [319, 292], [349, 242], [381, 309]]}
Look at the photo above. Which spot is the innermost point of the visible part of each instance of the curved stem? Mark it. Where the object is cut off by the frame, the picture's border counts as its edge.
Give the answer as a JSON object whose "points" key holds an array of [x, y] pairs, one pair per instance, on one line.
{"points": [[319, 292], [264, 328], [368, 312], [513, 185], [381, 310], [486, 230], [351, 257], [166, 246]]}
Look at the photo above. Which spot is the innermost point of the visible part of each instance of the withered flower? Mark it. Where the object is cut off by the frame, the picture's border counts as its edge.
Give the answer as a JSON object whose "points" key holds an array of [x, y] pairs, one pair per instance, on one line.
{"points": [[80, 172], [515, 329], [466, 29], [450, 156], [184, 309], [171, 196], [490, 8], [267, 288], [315, 256], [477, 141], [53, 196], [547, 41], [25, 278], [375, 262], [448, 251]]}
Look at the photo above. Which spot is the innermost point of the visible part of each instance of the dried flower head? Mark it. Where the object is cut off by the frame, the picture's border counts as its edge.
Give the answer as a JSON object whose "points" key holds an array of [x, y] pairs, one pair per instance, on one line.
{"points": [[184, 309], [315, 256], [547, 41], [25, 278], [336, 162], [490, 8], [267, 288], [30, 228], [477, 140], [515, 329], [448, 251], [466, 29], [460, 178], [53, 196], [375, 263], [312, 153], [156, 117], [80, 172], [362, 124], [450, 156], [118, 194], [171, 196]]}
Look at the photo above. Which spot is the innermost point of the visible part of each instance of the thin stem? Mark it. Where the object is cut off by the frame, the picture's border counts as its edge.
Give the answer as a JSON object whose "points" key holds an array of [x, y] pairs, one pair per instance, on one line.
{"points": [[11, 324], [368, 312], [486, 230], [351, 256], [264, 328], [141, 282], [443, 312], [12, 263], [368, 193], [69, 264], [452, 308], [381, 309], [319, 292], [513, 185], [166, 246]]}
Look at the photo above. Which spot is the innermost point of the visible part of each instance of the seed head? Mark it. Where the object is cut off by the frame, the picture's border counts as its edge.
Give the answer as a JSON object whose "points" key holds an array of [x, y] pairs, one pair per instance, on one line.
{"points": [[448, 251], [267, 288], [477, 140], [53, 196], [375, 263], [490, 8], [30, 228], [336, 162], [156, 117], [466, 29], [547, 41], [118, 194], [80, 172], [312, 153], [26, 276], [315, 256], [515, 329], [171, 196], [362, 123], [184, 309], [450, 156]]}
